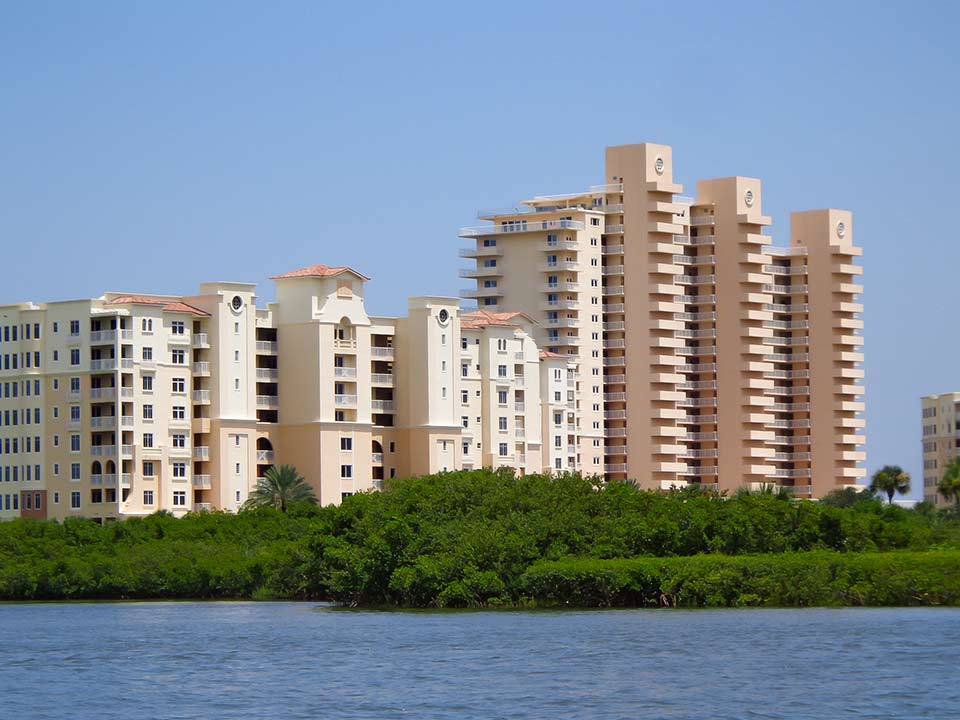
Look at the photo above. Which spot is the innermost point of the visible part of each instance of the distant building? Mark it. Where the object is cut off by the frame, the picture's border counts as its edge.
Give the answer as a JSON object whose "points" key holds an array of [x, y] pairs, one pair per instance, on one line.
{"points": [[940, 436]]}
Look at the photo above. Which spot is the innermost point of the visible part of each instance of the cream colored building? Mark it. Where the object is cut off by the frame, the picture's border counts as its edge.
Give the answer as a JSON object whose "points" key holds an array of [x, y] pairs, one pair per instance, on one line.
{"points": [[128, 404], [941, 439], [706, 354]]}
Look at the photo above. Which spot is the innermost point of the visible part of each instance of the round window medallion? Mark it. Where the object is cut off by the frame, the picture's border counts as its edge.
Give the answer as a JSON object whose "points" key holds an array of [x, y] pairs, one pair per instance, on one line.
{"points": [[841, 229], [443, 316], [658, 166], [236, 303], [748, 198]]}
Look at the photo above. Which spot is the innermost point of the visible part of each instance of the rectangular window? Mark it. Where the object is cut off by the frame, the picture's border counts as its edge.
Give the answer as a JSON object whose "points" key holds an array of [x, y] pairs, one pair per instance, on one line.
{"points": [[148, 412], [75, 500], [148, 497], [74, 443], [177, 327], [148, 470], [148, 440], [346, 443], [148, 383], [179, 470], [346, 471], [179, 441], [503, 449], [147, 353], [74, 356], [179, 412], [74, 471], [178, 357], [178, 385], [74, 328], [179, 498]]}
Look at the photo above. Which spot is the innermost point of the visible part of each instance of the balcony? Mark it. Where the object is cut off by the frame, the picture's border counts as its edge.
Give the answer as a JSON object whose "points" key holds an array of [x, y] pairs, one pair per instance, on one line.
{"points": [[268, 374], [610, 308], [791, 473], [268, 401], [202, 482], [562, 244], [520, 433], [613, 208], [785, 269], [611, 229], [521, 226], [264, 457], [106, 394], [345, 372], [381, 406], [565, 286], [698, 220], [266, 347], [615, 468], [201, 452], [103, 337], [480, 272], [612, 250], [200, 340], [693, 259], [203, 507], [106, 422], [344, 400], [479, 252], [612, 290], [696, 279], [612, 270], [126, 480], [560, 266], [560, 305], [382, 379], [786, 341], [103, 364], [201, 397], [785, 289], [126, 451], [103, 450], [790, 407], [201, 369], [381, 352], [376, 458], [614, 326]]}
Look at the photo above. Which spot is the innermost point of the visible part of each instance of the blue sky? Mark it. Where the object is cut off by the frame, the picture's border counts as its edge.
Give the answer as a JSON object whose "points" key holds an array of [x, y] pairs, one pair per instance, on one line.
{"points": [[150, 146]]}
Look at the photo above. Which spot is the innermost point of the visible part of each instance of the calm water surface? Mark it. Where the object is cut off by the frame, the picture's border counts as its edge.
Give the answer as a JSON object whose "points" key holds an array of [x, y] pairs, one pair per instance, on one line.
{"points": [[300, 660]]}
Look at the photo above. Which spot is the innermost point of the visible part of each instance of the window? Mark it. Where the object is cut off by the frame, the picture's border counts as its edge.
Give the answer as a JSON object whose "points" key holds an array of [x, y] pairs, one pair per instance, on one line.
{"points": [[74, 443], [147, 353], [148, 412], [75, 413], [346, 471], [502, 423], [75, 498], [502, 397], [558, 441], [465, 420], [146, 324], [176, 327], [501, 370], [179, 498], [56, 327], [179, 440], [148, 497], [74, 471], [96, 496], [177, 357], [464, 370], [179, 412], [463, 343], [464, 396], [74, 356], [346, 443], [503, 449], [179, 470], [179, 386], [74, 328], [148, 470], [148, 440]]}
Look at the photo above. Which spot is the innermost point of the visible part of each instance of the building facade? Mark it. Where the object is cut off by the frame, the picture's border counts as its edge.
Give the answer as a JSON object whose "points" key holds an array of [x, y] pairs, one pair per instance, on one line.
{"points": [[940, 422], [127, 404], [707, 356]]}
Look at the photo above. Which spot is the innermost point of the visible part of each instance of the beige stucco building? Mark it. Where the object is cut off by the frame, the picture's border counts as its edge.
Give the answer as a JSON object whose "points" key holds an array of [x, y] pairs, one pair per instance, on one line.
{"points": [[706, 355], [940, 431], [128, 404]]}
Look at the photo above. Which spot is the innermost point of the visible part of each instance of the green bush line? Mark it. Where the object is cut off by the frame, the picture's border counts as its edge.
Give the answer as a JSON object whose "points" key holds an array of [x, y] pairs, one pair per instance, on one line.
{"points": [[486, 539], [811, 579]]}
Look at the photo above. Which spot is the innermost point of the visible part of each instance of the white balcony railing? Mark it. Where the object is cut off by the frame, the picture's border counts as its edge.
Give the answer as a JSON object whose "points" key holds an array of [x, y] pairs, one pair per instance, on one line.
{"points": [[201, 396], [383, 406], [201, 340], [521, 226], [268, 401], [345, 400]]}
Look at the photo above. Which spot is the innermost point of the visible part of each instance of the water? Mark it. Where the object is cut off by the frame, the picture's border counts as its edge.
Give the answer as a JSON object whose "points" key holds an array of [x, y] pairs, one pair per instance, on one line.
{"points": [[299, 660]]}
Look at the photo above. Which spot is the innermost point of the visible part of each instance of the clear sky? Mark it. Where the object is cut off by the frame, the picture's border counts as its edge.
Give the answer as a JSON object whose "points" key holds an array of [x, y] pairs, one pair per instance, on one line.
{"points": [[150, 146]]}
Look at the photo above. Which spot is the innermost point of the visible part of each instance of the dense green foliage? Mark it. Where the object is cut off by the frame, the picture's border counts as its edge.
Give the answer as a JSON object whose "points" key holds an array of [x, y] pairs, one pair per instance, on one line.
{"points": [[890, 480], [482, 539]]}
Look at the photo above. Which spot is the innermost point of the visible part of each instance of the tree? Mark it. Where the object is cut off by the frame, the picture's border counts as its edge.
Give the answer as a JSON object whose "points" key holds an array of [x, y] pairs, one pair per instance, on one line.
{"points": [[949, 485], [280, 487], [890, 479]]}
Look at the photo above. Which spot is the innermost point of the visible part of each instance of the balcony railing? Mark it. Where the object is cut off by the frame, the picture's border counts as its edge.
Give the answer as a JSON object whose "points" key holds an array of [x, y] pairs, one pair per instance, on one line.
{"points": [[268, 401], [381, 379], [612, 250], [201, 396], [521, 226], [103, 364], [103, 394], [266, 346], [201, 340], [264, 456], [103, 450], [377, 458], [381, 352], [610, 229], [201, 368], [345, 400], [345, 372], [201, 452], [201, 481], [382, 406], [102, 337]]}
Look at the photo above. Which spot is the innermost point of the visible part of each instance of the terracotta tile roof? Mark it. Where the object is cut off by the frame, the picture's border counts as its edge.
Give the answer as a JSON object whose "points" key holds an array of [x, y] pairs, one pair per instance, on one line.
{"points": [[166, 303], [318, 271], [548, 354], [484, 318]]}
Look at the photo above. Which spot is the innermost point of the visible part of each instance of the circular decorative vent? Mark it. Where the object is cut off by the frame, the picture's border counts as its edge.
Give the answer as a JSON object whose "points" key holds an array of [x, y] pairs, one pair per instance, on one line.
{"points": [[841, 229], [443, 316], [236, 303], [748, 198], [658, 166]]}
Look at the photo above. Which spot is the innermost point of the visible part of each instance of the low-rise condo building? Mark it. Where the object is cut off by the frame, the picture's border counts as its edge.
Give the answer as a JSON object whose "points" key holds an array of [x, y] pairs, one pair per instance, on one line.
{"points": [[128, 404], [940, 435], [706, 355]]}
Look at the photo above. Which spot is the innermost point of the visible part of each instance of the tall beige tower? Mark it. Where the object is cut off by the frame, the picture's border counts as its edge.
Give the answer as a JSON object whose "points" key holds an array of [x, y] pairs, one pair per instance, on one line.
{"points": [[726, 362]]}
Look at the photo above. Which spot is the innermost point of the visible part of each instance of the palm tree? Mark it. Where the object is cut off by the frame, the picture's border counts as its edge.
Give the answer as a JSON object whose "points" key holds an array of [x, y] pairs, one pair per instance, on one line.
{"points": [[280, 487], [949, 485], [890, 479]]}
